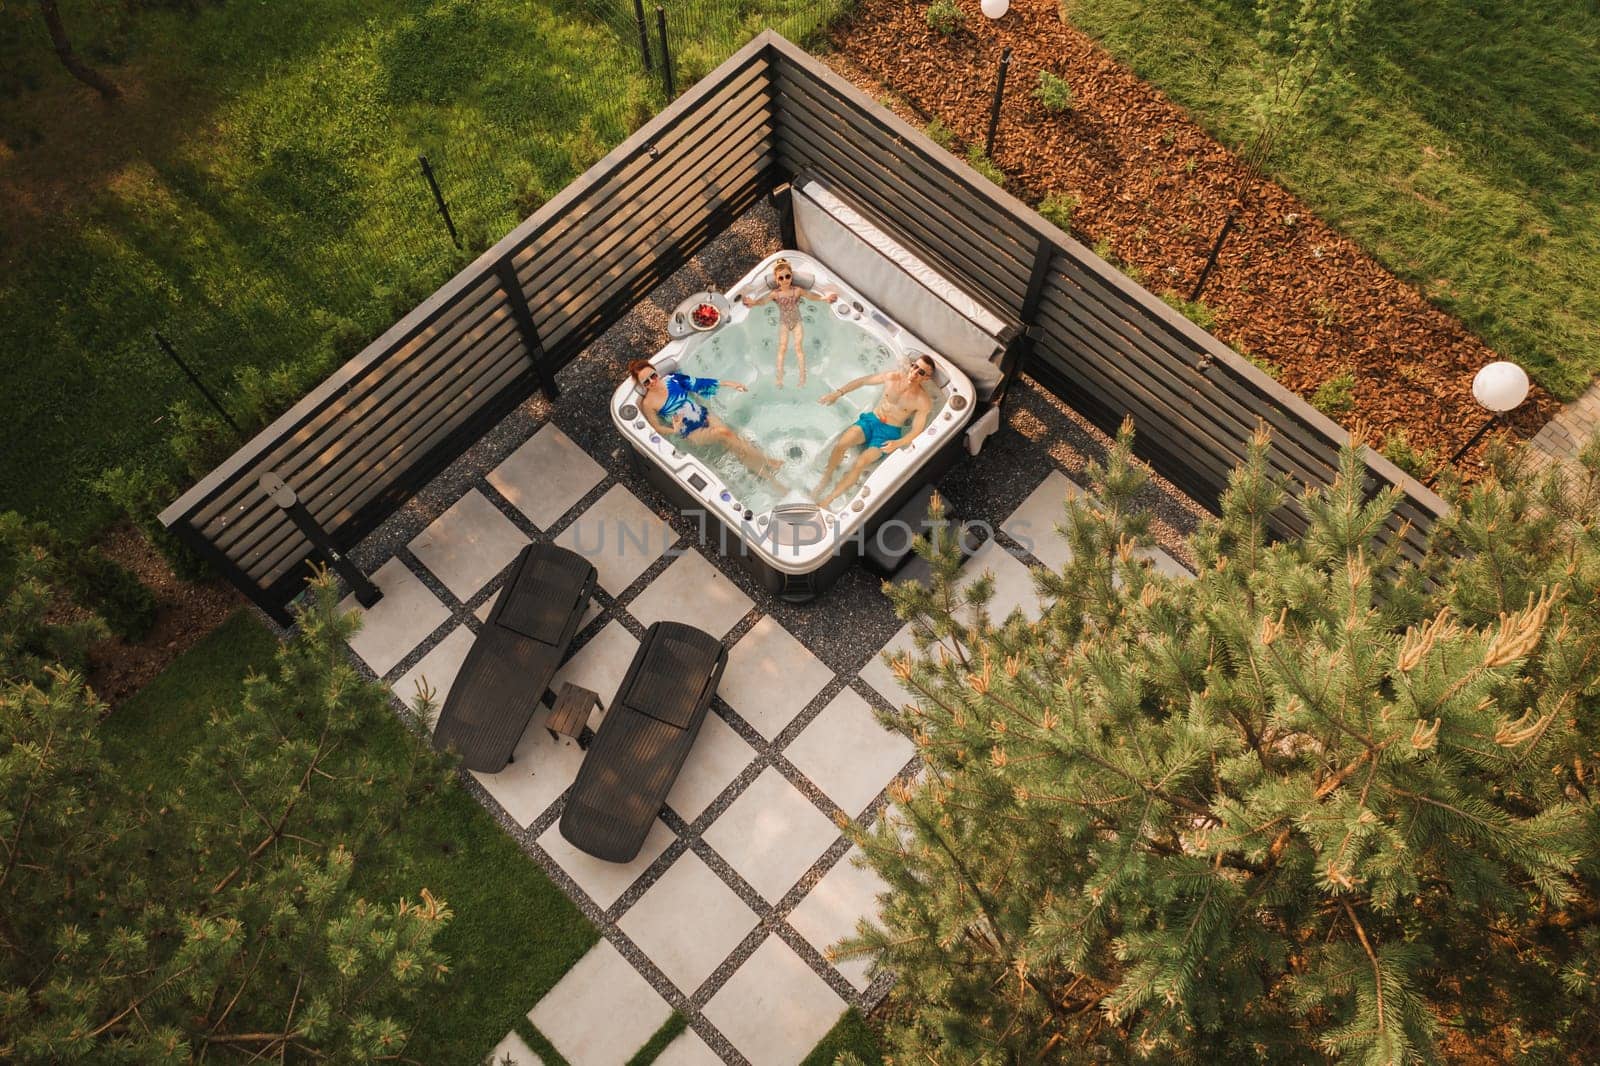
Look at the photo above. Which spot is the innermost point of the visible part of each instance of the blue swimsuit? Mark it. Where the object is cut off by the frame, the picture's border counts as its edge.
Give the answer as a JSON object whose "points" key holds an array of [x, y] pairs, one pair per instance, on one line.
{"points": [[877, 432], [682, 395]]}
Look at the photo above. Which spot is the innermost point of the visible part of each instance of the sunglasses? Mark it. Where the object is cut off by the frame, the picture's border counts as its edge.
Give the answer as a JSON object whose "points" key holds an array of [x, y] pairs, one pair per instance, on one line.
{"points": [[646, 382], [921, 370], [785, 277]]}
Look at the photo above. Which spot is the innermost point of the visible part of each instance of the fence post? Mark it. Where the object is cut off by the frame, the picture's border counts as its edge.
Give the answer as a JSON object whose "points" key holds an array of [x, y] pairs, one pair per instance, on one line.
{"points": [[172, 353], [438, 199], [288, 501], [994, 108], [644, 33], [666, 55], [524, 319]]}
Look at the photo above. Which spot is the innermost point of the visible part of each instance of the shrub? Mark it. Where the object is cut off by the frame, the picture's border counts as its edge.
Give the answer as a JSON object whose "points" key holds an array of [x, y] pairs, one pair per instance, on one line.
{"points": [[1053, 93], [1398, 449], [945, 17], [1336, 395], [940, 134], [984, 165], [1057, 209]]}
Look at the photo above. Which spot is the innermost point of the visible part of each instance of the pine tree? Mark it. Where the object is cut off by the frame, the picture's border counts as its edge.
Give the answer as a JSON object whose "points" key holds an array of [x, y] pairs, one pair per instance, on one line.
{"points": [[164, 929], [1302, 807]]}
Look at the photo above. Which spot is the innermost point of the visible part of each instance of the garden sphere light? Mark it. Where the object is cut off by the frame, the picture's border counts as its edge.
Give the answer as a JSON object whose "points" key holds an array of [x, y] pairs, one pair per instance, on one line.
{"points": [[995, 8], [1500, 386]]}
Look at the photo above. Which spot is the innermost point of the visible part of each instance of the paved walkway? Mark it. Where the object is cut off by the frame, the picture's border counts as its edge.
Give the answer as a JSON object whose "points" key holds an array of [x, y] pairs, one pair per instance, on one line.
{"points": [[1564, 436], [746, 879]]}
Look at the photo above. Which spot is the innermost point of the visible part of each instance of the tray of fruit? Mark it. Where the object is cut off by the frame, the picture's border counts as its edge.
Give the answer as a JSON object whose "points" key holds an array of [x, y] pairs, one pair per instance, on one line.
{"points": [[700, 313]]}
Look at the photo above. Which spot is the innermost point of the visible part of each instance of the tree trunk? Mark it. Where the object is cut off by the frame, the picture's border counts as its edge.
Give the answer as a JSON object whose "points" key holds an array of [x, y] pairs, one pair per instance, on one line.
{"points": [[69, 58]]}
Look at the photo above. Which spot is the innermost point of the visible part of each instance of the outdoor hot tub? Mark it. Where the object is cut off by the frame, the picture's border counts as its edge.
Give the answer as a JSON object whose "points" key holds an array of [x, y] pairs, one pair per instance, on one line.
{"points": [[793, 546]]}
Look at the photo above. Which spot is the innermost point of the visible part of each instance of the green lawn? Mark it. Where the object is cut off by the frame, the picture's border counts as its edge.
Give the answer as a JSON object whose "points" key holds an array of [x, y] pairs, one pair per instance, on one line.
{"points": [[853, 1034], [513, 934], [1465, 153]]}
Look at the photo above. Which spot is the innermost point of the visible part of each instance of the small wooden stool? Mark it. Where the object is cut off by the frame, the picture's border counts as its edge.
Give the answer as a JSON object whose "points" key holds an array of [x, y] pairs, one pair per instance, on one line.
{"points": [[571, 712]]}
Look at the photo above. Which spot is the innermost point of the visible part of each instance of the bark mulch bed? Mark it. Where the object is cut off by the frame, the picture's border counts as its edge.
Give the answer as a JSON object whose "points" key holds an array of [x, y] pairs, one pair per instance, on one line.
{"points": [[186, 612], [1153, 184]]}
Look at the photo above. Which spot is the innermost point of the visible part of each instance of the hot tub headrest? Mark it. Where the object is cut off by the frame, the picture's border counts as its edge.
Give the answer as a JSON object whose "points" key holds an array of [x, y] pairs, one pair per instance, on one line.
{"points": [[803, 278]]}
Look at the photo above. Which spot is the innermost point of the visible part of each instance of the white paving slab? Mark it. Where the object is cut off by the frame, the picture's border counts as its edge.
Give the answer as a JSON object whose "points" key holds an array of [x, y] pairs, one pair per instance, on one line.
{"points": [[605, 881], [847, 754], [600, 665], [878, 675], [688, 922], [514, 1051], [688, 1050], [718, 756], [1033, 525], [771, 835], [436, 670], [546, 476], [541, 769], [468, 545], [1164, 563], [771, 676], [620, 535], [396, 624], [602, 1010], [829, 913], [693, 591], [774, 1008]]}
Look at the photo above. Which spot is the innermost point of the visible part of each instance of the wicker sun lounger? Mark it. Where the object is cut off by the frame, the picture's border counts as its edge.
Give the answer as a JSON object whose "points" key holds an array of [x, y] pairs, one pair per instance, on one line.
{"points": [[643, 741], [516, 654]]}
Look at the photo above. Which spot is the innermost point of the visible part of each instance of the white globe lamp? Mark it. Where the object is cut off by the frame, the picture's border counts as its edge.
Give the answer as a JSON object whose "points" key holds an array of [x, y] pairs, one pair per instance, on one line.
{"points": [[995, 8], [1500, 386]]}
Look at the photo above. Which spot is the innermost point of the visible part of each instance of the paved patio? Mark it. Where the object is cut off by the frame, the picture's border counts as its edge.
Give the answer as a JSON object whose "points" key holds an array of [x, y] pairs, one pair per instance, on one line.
{"points": [[745, 879]]}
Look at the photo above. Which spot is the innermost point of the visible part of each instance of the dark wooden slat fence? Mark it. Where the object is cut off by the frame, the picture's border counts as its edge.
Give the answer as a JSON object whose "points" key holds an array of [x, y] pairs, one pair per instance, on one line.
{"points": [[362, 442]]}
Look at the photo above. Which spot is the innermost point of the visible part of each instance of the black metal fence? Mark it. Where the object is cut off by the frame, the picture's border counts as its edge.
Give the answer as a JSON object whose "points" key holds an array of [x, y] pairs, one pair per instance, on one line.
{"points": [[360, 444]]}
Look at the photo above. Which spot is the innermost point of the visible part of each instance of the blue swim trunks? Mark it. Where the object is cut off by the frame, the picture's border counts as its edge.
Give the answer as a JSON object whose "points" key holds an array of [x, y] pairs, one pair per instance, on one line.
{"points": [[877, 433]]}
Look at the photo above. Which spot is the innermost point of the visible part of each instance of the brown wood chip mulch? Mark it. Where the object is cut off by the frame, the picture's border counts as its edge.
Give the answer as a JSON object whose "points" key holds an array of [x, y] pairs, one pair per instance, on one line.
{"points": [[1152, 182]]}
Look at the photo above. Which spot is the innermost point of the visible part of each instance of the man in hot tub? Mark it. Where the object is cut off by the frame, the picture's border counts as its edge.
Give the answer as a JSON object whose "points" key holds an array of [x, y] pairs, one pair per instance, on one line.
{"points": [[673, 404], [905, 400]]}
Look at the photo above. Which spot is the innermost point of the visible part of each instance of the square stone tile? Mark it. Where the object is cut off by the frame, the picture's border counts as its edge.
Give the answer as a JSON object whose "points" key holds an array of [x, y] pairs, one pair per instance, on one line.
{"points": [[718, 756], [774, 1008], [688, 1050], [878, 675], [514, 1050], [1163, 563], [620, 536], [601, 1011], [392, 628], [688, 922], [1013, 581], [468, 545], [546, 476], [829, 913], [771, 835], [693, 591], [847, 754], [541, 769], [605, 881], [771, 677], [1033, 525], [600, 665], [437, 670]]}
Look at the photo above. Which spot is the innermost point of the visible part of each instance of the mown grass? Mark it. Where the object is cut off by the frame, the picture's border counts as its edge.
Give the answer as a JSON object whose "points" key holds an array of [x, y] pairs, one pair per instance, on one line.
{"points": [[513, 933], [851, 1033], [1464, 150], [257, 198]]}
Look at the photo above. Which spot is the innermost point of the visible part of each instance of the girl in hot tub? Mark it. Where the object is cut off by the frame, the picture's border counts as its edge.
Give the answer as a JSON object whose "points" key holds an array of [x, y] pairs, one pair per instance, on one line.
{"points": [[787, 295], [673, 404]]}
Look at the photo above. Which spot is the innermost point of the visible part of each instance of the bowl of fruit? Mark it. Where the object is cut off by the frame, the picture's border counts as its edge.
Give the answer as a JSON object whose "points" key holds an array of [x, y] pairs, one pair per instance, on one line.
{"points": [[705, 316]]}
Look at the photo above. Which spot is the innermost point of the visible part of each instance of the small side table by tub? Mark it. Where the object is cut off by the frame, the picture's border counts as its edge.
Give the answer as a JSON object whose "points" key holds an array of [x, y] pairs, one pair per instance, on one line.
{"points": [[571, 713]]}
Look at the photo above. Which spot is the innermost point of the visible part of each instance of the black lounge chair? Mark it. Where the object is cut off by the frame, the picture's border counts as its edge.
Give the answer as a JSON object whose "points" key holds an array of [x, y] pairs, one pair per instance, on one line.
{"points": [[516, 654], [643, 741]]}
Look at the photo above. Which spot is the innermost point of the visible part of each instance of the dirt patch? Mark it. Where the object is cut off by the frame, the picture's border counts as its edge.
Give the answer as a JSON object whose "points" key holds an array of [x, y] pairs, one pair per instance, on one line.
{"points": [[1154, 186], [186, 612]]}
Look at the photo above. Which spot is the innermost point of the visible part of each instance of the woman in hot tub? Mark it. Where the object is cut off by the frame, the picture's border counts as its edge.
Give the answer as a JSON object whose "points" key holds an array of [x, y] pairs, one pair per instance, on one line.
{"points": [[673, 404]]}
